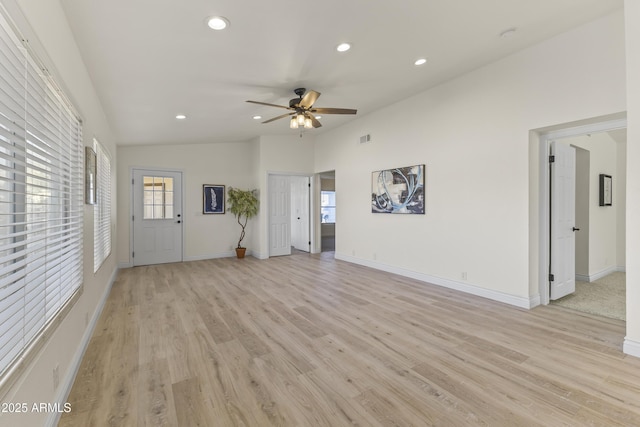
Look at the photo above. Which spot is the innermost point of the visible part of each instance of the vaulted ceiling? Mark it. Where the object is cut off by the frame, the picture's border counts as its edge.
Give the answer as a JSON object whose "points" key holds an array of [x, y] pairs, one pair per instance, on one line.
{"points": [[151, 60]]}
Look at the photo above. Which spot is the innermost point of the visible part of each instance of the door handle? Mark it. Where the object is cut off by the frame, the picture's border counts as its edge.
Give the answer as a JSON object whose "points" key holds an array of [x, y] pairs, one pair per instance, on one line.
{"points": [[575, 229]]}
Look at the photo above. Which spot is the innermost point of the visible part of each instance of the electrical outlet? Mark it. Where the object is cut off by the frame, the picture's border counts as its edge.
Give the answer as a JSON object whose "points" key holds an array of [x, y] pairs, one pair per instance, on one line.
{"points": [[56, 377], [463, 275], [375, 256]]}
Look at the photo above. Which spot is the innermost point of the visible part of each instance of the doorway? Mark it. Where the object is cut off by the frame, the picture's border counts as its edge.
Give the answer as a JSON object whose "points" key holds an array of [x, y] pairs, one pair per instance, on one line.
{"points": [[600, 230], [157, 216], [289, 214]]}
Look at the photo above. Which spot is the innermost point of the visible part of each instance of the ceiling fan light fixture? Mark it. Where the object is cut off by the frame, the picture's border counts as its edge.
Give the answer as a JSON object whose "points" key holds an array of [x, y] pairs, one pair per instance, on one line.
{"points": [[307, 123], [301, 112], [217, 22]]}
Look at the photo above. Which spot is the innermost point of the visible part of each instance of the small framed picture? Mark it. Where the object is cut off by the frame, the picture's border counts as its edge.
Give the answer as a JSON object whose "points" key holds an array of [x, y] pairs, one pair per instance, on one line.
{"points": [[606, 190], [213, 199]]}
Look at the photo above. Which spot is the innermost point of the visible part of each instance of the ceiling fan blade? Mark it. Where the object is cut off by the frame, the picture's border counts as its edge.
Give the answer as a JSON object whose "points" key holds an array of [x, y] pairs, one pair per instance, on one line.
{"points": [[333, 111], [270, 105], [279, 117], [309, 98], [314, 121]]}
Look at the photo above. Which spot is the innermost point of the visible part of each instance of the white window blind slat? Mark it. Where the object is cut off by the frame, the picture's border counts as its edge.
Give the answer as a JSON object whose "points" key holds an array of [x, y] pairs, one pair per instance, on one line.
{"points": [[41, 211]]}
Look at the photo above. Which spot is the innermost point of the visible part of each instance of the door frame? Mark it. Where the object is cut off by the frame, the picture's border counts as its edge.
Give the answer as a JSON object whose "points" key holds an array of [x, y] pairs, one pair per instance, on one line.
{"points": [[312, 206], [544, 149], [131, 207]]}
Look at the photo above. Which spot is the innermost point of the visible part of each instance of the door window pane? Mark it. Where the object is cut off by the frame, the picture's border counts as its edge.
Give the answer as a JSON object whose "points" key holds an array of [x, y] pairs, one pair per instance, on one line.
{"points": [[157, 197]]}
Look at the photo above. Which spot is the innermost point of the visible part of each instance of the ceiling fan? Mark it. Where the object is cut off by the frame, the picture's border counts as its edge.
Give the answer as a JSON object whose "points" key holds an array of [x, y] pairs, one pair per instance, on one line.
{"points": [[302, 114]]}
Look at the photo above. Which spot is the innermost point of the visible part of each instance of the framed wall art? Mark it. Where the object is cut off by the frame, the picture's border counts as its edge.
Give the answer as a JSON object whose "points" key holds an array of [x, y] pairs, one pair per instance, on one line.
{"points": [[606, 190], [398, 190], [213, 201]]}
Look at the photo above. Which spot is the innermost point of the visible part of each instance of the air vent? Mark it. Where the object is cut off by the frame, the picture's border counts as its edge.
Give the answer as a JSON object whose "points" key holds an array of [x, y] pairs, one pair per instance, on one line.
{"points": [[365, 138]]}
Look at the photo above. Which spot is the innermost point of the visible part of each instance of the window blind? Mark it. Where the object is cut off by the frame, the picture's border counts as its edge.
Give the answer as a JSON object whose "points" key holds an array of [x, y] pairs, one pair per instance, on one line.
{"points": [[102, 209], [40, 199]]}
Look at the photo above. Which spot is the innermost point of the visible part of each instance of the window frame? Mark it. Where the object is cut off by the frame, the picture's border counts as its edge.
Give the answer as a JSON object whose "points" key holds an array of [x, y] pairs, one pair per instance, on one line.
{"points": [[323, 206], [102, 208]]}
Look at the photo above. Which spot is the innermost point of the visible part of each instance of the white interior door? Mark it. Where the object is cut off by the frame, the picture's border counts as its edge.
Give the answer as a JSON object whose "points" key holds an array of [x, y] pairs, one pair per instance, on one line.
{"points": [[300, 187], [157, 217], [279, 215], [563, 216]]}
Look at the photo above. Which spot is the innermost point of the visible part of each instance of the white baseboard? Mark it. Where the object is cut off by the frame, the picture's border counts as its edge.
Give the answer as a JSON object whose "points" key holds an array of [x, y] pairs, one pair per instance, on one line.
{"points": [[521, 302], [67, 382], [210, 256], [229, 254], [259, 255], [124, 264], [582, 278], [630, 347], [600, 274]]}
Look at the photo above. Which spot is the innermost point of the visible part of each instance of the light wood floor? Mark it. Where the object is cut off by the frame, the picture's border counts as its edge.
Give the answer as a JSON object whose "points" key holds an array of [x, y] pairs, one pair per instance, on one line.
{"points": [[309, 341]]}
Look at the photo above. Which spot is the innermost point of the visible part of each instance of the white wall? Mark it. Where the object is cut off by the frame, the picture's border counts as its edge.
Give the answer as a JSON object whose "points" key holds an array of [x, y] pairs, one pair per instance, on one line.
{"points": [[278, 154], [473, 135], [603, 220], [632, 17], [205, 236], [45, 26]]}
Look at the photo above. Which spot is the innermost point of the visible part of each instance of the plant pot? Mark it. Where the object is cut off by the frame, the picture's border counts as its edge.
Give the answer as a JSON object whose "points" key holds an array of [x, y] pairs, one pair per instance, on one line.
{"points": [[240, 252]]}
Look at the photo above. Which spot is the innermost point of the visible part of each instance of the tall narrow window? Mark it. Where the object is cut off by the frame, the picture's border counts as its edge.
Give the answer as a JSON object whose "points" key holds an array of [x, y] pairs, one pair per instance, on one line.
{"points": [[328, 207], [41, 203], [102, 208]]}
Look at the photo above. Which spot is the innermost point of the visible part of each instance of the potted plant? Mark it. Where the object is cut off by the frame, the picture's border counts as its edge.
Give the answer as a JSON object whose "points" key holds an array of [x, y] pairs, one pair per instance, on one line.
{"points": [[243, 204]]}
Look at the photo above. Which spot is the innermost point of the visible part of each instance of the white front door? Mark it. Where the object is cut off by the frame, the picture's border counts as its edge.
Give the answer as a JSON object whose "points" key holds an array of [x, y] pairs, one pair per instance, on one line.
{"points": [[157, 217], [300, 187], [279, 215], [563, 217]]}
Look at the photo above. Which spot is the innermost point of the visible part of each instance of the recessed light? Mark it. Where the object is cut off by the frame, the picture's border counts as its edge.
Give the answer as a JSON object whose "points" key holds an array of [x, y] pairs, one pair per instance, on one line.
{"points": [[420, 61], [181, 117], [508, 33], [217, 22], [257, 117], [343, 47]]}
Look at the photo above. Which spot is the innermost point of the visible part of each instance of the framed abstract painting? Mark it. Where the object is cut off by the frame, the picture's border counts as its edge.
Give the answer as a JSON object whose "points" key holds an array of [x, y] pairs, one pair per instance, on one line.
{"points": [[398, 190]]}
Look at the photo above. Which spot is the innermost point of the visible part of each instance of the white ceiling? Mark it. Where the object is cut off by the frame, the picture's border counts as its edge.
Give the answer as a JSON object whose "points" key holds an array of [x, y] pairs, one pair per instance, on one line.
{"points": [[152, 59]]}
